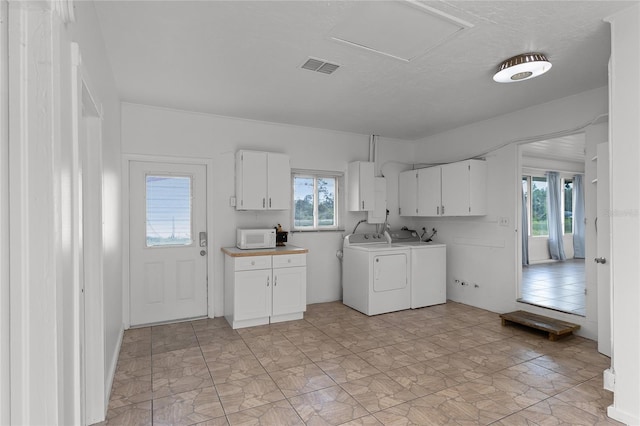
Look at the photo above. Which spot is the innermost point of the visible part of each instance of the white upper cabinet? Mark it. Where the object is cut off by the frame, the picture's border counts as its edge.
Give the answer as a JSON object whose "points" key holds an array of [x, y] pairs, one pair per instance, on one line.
{"points": [[456, 189], [379, 213], [429, 190], [464, 188], [278, 182], [361, 186], [263, 181], [408, 193]]}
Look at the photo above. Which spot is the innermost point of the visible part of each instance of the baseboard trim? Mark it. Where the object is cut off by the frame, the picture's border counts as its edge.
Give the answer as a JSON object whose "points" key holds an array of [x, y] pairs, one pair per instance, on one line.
{"points": [[621, 416], [112, 371]]}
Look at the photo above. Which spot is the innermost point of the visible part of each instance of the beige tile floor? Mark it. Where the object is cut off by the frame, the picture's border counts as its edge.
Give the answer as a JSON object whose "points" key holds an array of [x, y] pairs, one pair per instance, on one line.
{"points": [[445, 364]]}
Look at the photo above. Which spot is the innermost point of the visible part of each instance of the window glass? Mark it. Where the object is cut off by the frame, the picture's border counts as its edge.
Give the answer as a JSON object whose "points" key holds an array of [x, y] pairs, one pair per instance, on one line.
{"points": [[525, 195], [168, 210], [326, 202], [539, 223], [315, 201], [568, 206], [303, 199]]}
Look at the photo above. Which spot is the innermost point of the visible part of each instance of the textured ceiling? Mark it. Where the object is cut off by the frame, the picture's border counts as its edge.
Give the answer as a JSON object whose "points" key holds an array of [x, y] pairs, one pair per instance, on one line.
{"points": [[243, 58]]}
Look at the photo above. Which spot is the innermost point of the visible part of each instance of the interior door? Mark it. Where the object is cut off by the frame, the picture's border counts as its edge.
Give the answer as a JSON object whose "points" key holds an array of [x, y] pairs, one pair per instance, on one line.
{"points": [[603, 241], [168, 242]]}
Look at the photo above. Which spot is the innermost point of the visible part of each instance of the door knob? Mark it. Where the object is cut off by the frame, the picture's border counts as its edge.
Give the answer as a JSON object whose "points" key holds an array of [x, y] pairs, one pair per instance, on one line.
{"points": [[202, 252], [601, 260]]}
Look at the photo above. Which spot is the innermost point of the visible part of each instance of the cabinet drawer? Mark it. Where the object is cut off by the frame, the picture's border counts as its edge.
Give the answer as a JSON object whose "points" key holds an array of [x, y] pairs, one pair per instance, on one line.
{"points": [[252, 262], [289, 260]]}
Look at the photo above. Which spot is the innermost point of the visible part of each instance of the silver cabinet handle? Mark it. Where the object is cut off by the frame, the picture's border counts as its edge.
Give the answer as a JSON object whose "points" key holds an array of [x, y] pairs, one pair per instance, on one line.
{"points": [[267, 281], [269, 202], [275, 281], [438, 210], [442, 209], [363, 205], [264, 201]]}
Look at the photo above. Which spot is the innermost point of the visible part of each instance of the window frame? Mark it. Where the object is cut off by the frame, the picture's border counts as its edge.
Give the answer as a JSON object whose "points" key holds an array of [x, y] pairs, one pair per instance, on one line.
{"points": [[337, 199], [528, 176]]}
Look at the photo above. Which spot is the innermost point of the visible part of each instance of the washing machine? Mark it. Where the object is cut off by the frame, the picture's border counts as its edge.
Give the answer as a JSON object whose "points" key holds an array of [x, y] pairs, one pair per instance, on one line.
{"points": [[428, 272], [375, 274]]}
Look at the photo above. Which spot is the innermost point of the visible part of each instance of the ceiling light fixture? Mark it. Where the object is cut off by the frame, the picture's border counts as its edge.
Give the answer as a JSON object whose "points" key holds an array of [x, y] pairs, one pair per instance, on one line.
{"points": [[522, 67]]}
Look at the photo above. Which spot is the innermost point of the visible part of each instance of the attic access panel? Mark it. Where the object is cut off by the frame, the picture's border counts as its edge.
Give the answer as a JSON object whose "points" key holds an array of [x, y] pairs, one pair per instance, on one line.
{"points": [[400, 29]]}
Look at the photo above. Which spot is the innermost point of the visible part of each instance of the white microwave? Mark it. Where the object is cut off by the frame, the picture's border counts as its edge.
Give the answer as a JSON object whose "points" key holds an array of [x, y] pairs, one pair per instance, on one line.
{"points": [[255, 238]]}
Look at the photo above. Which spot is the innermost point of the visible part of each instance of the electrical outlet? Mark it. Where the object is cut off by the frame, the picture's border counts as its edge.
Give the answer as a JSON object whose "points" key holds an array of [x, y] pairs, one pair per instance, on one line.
{"points": [[503, 221], [232, 201]]}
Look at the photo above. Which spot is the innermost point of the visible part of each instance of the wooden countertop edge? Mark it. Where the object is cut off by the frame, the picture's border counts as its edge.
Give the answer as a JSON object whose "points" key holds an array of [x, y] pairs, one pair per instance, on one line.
{"points": [[266, 252]]}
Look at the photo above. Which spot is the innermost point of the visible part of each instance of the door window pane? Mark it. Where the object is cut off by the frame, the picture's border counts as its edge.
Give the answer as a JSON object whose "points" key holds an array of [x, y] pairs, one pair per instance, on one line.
{"points": [[168, 210], [539, 224]]}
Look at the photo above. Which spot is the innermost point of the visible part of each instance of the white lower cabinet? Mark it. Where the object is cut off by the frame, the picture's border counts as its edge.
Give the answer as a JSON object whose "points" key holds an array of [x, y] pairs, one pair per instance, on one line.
{"points": [[265, 289]]}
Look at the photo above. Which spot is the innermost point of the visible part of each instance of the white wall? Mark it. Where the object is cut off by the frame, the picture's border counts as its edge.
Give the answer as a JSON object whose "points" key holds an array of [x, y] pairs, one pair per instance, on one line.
{"points": [[44, 226], [163, 132], [94, 57], [480, 250], [625, 212]]}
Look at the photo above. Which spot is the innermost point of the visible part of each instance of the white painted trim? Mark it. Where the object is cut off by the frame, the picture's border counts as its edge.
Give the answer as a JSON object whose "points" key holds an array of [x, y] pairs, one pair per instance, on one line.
{"points": [[87, 131], [111, 373], [622, 416], [126, 160], [35, 234], [5, 358]]}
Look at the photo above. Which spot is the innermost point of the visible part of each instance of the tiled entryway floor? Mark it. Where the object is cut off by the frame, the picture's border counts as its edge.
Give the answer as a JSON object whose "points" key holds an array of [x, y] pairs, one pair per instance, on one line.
{"points": [[446, 364], [556, 285]]}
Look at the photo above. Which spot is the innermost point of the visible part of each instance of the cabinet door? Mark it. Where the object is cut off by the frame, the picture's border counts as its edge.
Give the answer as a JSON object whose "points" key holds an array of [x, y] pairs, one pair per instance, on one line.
{"points": [[289, 290], [251, 182], [278, 182], [361, 186], [429, 192], [477, 187], [455, 189], [252, 294], [408, 193]]}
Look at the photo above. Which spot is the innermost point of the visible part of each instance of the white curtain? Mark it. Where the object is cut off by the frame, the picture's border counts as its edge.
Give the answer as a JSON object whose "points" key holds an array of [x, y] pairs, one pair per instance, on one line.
{"points": [[578, 217], [525, 231], [555, 216]]}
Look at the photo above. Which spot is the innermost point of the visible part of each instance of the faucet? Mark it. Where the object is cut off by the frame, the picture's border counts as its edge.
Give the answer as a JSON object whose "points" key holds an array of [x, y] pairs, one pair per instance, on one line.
{"points": [[358, 224]]}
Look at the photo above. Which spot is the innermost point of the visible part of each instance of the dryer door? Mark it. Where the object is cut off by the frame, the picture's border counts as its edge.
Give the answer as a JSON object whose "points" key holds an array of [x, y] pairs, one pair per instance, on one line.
{"points": [[390, 272]]}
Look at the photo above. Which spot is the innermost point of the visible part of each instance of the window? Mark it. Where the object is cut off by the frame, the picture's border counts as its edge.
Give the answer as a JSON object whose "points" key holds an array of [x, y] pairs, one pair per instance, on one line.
{"points": [[567, 200], [168, 210], [315, 201], [534, 189], [539, 223]]}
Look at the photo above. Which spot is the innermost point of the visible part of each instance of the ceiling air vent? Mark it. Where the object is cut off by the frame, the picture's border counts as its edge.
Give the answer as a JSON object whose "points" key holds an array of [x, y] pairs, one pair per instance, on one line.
{"points": [[320, 66]]}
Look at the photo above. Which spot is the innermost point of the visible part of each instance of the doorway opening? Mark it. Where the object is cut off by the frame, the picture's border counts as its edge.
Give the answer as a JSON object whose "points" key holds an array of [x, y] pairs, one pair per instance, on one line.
{"points": [[553, 247]]}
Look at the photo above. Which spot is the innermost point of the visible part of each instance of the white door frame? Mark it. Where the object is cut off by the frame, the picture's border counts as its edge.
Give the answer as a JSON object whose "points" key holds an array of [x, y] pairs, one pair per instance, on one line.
{"points": [[127, 159], [5, 365], [87, 119]]}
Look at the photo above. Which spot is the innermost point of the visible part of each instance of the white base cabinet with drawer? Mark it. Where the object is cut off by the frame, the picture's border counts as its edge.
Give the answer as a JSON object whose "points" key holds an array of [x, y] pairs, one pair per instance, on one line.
{"points": [[265, 289]]}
